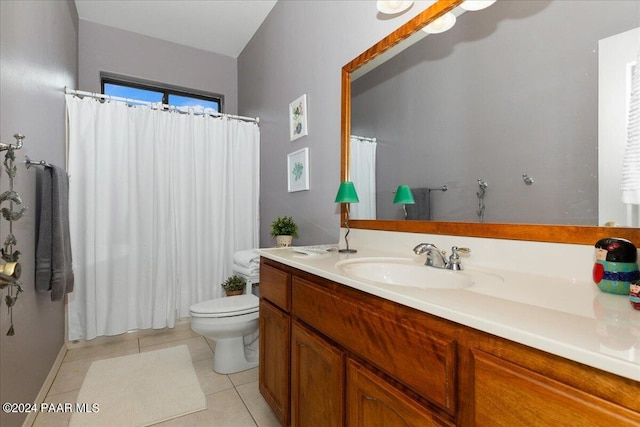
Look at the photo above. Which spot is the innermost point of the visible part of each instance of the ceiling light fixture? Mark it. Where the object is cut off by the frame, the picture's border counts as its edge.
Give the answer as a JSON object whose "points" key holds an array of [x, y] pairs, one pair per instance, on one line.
{"points": [[392, 7], [473, 5], [442, 24]]}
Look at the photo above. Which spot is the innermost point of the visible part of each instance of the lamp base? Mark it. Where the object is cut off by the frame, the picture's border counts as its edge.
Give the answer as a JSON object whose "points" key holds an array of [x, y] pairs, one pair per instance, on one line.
{"points": [[347, 251]]}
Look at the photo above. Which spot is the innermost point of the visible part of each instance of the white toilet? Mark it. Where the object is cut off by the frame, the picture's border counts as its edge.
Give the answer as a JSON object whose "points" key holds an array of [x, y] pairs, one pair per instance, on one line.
{"points": [[232, 322]]}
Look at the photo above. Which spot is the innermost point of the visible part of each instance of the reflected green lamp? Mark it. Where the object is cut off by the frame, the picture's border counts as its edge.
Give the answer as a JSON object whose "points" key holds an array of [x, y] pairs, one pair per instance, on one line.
{"points": [[404, 197], [347, 194]]}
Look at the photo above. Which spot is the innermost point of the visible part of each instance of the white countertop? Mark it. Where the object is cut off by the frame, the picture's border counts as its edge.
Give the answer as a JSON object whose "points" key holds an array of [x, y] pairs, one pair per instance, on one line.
{"points": [[566, 317]]}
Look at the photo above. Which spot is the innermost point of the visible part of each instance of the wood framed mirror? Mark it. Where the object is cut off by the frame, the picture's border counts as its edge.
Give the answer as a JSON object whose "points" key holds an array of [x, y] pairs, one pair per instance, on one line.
{"points": [[575, 234]]}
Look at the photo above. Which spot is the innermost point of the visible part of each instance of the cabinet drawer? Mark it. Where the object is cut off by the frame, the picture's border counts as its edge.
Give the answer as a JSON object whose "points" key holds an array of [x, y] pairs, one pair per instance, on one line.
{"points": [[275, 285], [371, 401], [400, 346], [505, 394]]}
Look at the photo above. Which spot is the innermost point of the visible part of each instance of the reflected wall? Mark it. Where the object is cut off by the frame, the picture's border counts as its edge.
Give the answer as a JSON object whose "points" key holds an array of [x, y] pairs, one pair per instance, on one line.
{"points": [[509, 90]]}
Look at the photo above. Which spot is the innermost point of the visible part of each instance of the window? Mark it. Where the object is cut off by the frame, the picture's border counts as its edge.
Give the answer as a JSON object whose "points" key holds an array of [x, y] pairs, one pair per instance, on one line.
{"points": [[130, 92], [158, 93]]}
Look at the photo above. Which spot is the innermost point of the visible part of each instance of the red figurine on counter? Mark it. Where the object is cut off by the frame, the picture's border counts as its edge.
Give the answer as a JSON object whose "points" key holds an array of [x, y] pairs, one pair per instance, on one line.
{"points": [[634, 294]]}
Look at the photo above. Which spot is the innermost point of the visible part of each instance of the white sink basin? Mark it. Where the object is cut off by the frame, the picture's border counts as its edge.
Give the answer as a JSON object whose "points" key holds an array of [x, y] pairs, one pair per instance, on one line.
{"points": [[409, 272]]}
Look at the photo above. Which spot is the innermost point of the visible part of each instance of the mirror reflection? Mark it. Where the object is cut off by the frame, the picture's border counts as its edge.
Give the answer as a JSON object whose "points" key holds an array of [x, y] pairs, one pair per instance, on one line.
{"points": [[499, 118]]}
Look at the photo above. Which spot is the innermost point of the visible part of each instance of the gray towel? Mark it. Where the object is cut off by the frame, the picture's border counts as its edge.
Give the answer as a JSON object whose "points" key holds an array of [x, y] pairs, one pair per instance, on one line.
{"points": [[43, 244], [54, 269], [421, 209]]}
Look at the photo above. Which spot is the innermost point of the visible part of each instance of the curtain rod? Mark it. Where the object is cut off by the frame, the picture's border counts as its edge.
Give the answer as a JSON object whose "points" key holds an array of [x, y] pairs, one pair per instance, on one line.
{"points": [[364, 138], [167, 106]]}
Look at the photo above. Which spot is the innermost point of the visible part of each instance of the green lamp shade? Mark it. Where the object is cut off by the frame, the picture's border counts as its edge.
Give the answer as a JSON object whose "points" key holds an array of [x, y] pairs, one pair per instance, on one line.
{"points": [[404, 196], [347, 193]]}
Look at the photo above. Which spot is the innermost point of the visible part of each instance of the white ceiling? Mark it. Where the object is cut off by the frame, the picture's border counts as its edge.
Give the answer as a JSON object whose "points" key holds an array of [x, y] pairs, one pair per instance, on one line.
{"points": [[220, 26]]}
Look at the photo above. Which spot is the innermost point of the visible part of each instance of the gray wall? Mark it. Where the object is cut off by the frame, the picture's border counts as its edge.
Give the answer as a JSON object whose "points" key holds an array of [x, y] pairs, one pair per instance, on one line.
{"points": [[301, 49], [509, 90], [107, 49], [38, 58]]}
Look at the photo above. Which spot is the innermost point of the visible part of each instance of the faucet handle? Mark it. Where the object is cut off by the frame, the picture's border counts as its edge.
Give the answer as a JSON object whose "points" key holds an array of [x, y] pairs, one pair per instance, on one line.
{"points": [[454, 259], [455, 250]]}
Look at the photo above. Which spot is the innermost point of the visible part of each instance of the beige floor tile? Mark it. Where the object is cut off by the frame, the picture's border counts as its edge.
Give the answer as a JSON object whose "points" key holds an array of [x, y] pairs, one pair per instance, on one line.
{"points": [[167, 335], [224, 409], [210, 382], [244, 377], [198, 348], [69, 377], [103, 351], [182, 323], [226, 406], [55, 419], [102, 340], [258, 407], [131, 335], [211, 343]]}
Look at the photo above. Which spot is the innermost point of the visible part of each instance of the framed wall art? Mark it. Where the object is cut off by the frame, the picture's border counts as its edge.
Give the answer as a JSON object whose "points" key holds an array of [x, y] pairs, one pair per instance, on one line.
{"points": [[298, 120], [298, 170]]}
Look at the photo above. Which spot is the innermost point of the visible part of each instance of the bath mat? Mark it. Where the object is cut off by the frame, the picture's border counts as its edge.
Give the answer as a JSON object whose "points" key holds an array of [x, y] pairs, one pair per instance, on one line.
{"points": [[139, 390]]}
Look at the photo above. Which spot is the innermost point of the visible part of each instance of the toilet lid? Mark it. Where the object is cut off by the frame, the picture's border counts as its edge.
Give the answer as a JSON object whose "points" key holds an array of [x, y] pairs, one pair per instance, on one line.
{"points": [[231, 306]]}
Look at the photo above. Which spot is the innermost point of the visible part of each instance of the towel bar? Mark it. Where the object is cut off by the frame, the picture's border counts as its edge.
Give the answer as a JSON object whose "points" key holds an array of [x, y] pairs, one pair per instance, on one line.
{"points": [[28, 162]]}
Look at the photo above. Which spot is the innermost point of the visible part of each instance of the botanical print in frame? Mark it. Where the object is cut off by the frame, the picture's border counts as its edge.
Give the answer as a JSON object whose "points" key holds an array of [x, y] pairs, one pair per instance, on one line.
{"points": [[298, 170], [298, 118]]}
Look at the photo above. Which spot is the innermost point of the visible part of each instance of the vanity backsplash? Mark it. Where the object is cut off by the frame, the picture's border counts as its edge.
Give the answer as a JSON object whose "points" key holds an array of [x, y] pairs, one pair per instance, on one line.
{"points": [[569, 261]]}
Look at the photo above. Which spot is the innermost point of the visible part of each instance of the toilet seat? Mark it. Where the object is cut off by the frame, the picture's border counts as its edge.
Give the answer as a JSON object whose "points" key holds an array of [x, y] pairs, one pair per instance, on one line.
{"points": [[226, 307]]}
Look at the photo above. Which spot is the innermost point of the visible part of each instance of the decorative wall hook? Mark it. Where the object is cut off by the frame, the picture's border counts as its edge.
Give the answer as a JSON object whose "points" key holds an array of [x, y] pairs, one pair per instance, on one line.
{"points": [[18, 145], [527, 179], [10, 271]]}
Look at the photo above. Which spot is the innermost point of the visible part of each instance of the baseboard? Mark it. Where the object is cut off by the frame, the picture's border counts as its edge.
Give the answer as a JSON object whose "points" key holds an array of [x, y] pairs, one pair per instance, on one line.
{"points": [[31, 417]]}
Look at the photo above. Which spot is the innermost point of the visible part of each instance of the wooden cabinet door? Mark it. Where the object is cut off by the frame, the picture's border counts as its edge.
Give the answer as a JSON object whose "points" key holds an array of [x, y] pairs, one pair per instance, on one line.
{"points": [[372, 402], [317, 380], [275, 339], [505, 394], [405, 345]]}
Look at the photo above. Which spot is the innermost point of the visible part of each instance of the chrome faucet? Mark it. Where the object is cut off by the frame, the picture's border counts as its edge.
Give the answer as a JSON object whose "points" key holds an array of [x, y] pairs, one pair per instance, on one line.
{"points": [[435, 257]]}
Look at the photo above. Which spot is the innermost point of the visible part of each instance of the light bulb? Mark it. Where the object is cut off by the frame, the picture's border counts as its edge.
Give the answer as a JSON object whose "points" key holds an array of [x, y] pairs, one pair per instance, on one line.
{"points": [[442, 24], [473, 5], [391, 7]]}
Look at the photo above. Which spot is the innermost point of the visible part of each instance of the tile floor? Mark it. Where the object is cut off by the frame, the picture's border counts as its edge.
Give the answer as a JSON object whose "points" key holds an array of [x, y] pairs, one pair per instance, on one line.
{"points": [[232, 400]]}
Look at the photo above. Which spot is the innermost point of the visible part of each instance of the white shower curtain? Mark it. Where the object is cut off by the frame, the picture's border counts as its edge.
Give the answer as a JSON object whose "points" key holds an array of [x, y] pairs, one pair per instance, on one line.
{"points": [[631, 160], [159, 202], [363, 175]]}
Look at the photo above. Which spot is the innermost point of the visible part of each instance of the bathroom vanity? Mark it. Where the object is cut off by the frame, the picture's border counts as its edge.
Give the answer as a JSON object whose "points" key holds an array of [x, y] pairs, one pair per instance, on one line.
{"points": [[521, 337], [342, 351]]}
